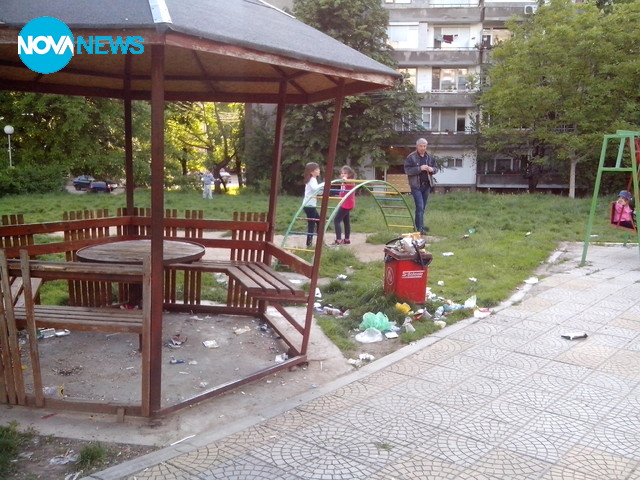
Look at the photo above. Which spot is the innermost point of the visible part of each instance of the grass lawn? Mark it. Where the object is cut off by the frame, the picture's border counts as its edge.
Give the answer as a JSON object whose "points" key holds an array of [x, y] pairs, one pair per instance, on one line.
{"points": [[497, 239]]}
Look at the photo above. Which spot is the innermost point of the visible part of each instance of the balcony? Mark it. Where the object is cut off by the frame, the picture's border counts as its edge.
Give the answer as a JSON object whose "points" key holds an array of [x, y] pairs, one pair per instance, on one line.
{"points": [[447, 14], [437, 57], [449, 99], [443, 140], [518, 181], [495, 15]]}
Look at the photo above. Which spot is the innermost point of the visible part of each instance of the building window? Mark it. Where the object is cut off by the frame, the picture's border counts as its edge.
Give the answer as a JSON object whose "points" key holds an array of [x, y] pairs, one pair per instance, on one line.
{"points": [[449, 79], [403, 35], [448, 120], [456, 163], [426, 118], [412, 74]]}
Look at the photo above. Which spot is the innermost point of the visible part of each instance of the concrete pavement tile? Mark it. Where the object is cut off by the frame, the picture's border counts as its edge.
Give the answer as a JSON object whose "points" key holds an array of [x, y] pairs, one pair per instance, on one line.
{"points": [[245, 467], [579, 284], [421, 467], [579, 410], [397, 429], [441, 350], [485, 386], [622, 419], [535, 304], [525, 394], [467, 363], [285, 423], [508, 342], [504, 464], [509, 412], [619, 302], [558, 294], [162, 471], [565, 370], [633, 313], [370, 448], [514, 312], [487, 430], [358, 391], [586, 354], [523, 361], [623, 363], [598, 463], [487, 352], [630, 322], [459, 450], [504, 374], [563, 473], [447, 377], [552, 423], [544, 446], [605, 338], [550, 346], [410, 366], [550, 383], [383, 378], [418, 389], [323, 452], [463, 400], [623, 386], [327, 405]]}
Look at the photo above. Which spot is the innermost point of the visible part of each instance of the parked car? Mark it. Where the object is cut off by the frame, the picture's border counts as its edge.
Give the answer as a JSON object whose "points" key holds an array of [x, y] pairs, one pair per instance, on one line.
{"points": [[99, 187], [82, 182]]}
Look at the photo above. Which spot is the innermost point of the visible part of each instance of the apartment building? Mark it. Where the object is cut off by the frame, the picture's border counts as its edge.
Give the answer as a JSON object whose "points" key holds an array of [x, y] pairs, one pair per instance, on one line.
{"points": [[443, 46]]}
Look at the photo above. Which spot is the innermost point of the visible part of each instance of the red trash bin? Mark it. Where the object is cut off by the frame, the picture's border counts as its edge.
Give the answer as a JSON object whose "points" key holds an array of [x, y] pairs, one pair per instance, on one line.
{"points": [[405, 274]]}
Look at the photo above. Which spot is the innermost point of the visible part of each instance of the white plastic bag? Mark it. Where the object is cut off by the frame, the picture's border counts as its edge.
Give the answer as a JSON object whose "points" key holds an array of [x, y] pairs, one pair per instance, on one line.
{"points": [[370, 335]]}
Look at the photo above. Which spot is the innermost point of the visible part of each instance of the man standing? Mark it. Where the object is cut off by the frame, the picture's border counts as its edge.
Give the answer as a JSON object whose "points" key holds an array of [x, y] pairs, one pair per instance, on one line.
{"points": [[420, 168], [207, 180]]}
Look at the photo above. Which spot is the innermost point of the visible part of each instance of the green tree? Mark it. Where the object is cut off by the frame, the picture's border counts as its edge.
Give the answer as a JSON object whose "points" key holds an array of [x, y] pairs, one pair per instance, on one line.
{"points": [[567, 76], [70, 135], [367, 120], [205, 135]]}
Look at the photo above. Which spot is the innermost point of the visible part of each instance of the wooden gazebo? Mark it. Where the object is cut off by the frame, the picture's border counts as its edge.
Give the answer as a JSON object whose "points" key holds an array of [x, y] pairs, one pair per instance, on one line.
{"points": [[202, 50]]}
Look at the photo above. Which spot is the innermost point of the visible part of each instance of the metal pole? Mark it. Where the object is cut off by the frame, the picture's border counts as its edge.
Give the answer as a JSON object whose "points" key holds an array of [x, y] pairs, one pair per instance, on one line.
{"points": [[10, 162]]}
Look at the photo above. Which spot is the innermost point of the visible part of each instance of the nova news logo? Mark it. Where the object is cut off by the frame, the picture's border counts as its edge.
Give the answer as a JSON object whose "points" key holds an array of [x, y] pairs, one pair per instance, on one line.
{"points": [[46, 45]]}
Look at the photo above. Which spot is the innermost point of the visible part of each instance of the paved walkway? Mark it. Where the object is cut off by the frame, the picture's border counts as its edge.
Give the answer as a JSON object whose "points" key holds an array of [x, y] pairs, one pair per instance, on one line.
{"points": [[504, 397]]}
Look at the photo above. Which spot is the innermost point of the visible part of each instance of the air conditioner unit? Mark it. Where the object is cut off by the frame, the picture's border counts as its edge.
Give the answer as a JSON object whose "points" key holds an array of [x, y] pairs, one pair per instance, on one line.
{"points": [[530, 9]]}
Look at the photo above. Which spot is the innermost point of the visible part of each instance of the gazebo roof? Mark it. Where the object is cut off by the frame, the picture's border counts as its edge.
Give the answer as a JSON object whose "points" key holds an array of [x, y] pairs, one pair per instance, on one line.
{"points": [[215, 50]]}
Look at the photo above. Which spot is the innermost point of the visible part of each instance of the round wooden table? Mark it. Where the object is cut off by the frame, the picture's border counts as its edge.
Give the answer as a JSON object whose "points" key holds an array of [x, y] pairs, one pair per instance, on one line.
{"points": [[134, 251]]}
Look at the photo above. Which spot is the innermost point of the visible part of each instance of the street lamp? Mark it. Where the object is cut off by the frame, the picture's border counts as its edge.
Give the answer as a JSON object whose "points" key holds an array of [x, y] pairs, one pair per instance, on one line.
{"points": [[8, 129]]}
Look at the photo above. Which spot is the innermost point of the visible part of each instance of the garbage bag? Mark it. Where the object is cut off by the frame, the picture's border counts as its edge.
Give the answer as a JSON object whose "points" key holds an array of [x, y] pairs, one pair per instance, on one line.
{"points": [[370, 335], [376, 320]]}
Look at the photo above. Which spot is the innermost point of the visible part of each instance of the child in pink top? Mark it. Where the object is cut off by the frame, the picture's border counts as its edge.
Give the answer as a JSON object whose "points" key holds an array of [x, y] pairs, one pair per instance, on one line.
{"points": [[622, 211], [343, 214]]}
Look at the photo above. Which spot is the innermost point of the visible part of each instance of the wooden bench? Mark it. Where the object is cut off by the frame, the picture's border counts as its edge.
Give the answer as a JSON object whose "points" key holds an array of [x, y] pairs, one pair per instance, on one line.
{"points": [[104, 319], [18, 290], [258, 279], [88, 319]]}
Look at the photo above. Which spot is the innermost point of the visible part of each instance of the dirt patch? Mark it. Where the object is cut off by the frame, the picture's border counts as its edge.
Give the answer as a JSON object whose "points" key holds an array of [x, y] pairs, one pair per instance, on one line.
{"points": [[49, 457], [106, 368]]}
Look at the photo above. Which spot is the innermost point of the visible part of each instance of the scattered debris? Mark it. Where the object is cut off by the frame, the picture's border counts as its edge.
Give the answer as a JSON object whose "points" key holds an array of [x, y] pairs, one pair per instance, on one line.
{"points": [[370, 335], [210, 344], [69, 457], [282, 358], [574, 335], [447, 254], [240, 331], [531, 280]]}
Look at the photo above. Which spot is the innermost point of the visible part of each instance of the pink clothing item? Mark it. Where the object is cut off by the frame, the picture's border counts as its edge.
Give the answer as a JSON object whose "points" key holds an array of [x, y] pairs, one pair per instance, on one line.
{"points": [[622, 213], [350, 202]]}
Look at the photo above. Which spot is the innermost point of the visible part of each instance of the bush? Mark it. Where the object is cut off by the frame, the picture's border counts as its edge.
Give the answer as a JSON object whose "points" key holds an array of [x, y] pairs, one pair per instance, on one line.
{"points": [[25, 179]]}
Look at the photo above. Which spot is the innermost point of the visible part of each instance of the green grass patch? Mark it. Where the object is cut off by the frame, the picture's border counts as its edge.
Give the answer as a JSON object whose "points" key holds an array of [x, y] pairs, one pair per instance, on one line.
{"points": [[496, 240]]}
